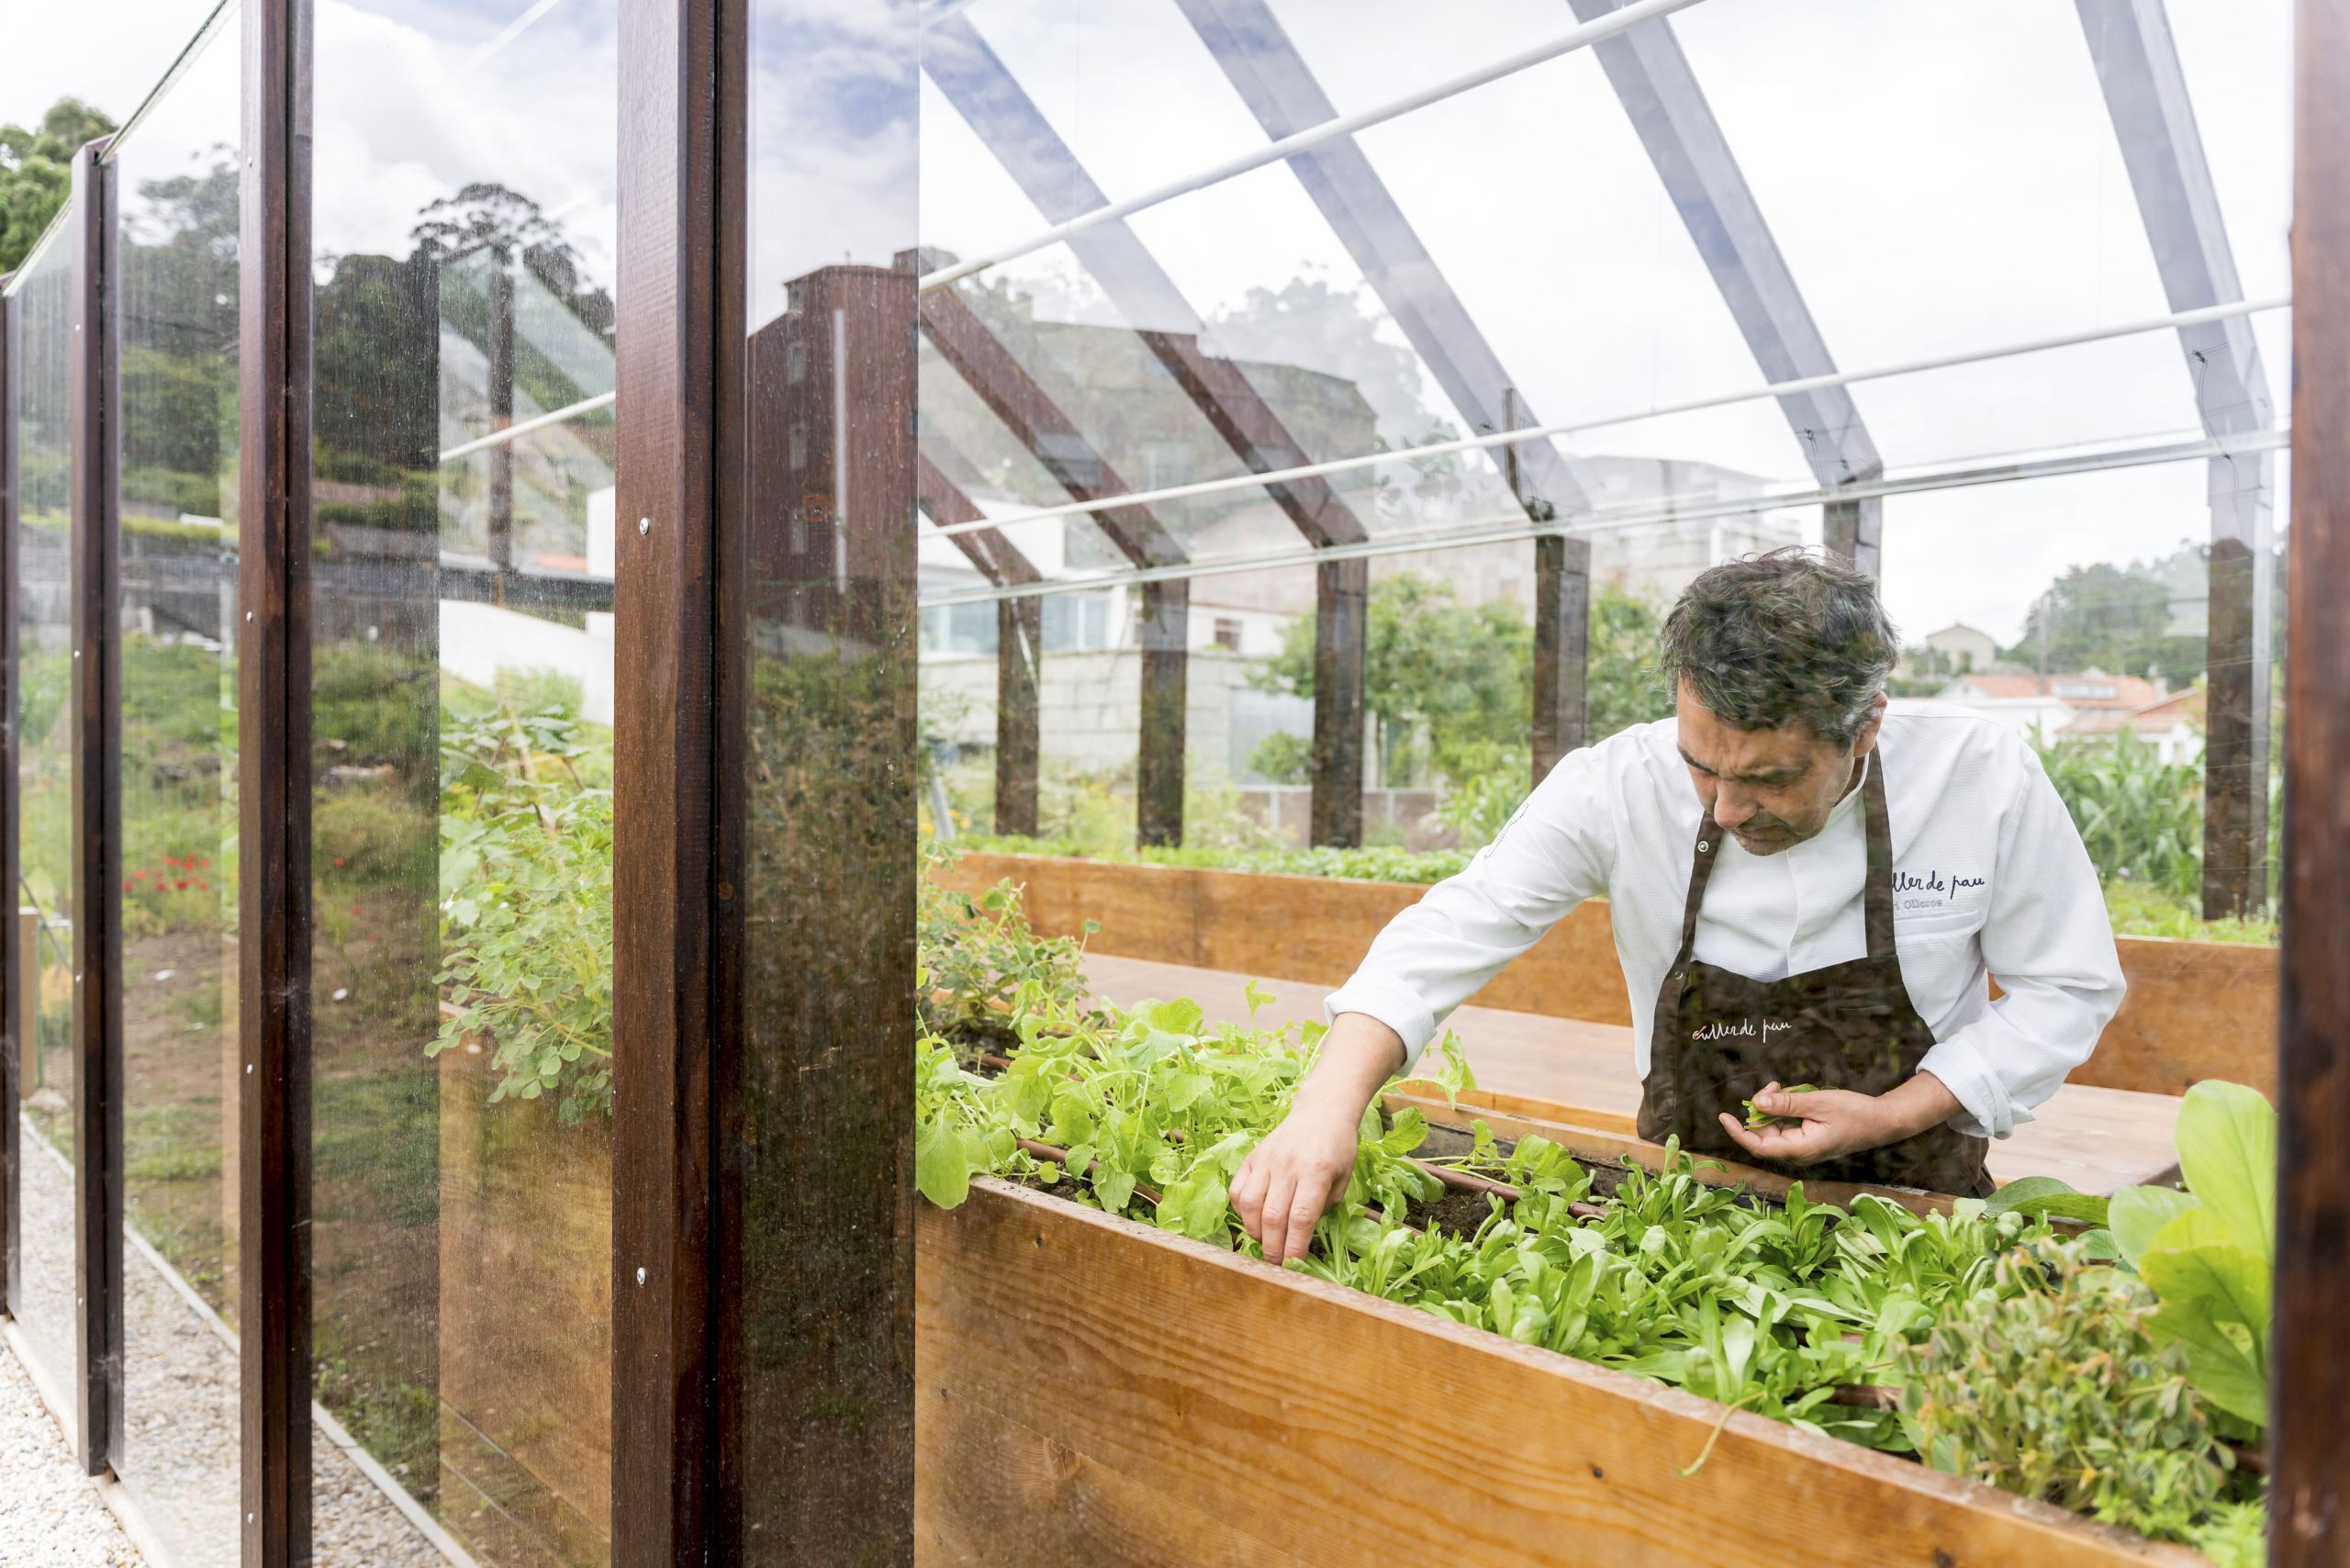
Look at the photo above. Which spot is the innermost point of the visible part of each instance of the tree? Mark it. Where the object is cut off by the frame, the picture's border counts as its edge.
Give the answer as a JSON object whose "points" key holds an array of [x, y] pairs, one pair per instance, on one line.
{"points": [[1452, 685], [2116, 619], [36, 172]]}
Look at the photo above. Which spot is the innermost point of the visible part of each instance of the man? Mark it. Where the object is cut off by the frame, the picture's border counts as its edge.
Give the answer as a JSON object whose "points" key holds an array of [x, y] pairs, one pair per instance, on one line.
{"points": [[1805, 887]]}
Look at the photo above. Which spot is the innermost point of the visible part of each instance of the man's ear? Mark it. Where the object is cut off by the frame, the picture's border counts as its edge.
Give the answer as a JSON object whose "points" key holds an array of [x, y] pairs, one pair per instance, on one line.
{"points": [[1864, 740]]}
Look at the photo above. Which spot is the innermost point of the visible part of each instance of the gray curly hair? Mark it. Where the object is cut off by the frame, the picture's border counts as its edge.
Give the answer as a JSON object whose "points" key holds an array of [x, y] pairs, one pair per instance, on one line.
{"points": [[1789, 634]]}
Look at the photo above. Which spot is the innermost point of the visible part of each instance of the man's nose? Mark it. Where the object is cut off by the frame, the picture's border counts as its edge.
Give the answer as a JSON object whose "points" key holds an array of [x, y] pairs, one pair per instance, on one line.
{"points": [[1731, 806]]}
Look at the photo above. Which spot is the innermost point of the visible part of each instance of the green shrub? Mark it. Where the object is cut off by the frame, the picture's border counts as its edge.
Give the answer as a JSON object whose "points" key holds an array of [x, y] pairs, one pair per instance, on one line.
{"points": [[2049, 1385]]}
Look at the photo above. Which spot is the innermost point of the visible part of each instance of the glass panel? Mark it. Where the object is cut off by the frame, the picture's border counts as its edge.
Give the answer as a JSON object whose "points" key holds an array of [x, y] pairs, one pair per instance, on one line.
{"points": [[461, 825], [41, 324], [176, 184], [816, 1339]]}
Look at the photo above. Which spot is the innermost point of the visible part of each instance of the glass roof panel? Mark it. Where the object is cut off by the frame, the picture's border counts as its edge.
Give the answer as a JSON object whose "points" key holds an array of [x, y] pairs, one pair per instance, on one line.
{"points": [[1944, 178], [2238, 57]]}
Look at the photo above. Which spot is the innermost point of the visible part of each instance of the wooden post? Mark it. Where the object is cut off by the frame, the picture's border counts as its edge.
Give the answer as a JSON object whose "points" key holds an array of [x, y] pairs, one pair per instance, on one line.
{"points": [[1854, 530], [1561, 648], [93, 552], [1020, 631], [501, 348], [665, 881], [274, 328], [2309, 1497], [2236, 689], [1013, 395], [1341, 631], [1019, 672], [1165, 636]]}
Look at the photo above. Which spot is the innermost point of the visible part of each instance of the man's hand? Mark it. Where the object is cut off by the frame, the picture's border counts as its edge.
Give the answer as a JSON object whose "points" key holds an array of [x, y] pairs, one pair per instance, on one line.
{"points": [[1303, 1165], [1830, 1122]]}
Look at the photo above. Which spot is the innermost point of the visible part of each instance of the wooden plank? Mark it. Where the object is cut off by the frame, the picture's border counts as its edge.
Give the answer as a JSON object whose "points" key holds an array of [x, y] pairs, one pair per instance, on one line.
{"points": [[273, 784], [1300, 1412], [2309, 1377], [987, 1482], [2195, 1010], [669, 326], [94, 553]]}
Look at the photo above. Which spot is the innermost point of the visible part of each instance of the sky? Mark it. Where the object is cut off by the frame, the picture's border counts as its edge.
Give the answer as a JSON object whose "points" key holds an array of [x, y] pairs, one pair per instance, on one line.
{"points": [[1941, 175]]}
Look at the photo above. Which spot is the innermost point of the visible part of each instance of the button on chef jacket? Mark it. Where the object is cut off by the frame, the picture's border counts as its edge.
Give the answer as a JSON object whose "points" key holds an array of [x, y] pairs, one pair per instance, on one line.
{"points": [[1990, 878]]}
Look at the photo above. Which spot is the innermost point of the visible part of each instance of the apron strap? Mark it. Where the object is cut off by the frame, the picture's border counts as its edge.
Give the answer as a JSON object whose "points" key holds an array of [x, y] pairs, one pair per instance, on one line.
{"points": [[1701, 866], [1879, 895]]}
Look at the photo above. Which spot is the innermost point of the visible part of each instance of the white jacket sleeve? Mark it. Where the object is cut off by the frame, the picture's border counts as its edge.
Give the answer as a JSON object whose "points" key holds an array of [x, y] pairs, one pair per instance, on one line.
{"points": [[1557, 851], [2049, 942]]}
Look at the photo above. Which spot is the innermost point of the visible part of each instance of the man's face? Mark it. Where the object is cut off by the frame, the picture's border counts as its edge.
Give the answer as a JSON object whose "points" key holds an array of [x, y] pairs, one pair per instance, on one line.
{"points": [[1772, 788]]}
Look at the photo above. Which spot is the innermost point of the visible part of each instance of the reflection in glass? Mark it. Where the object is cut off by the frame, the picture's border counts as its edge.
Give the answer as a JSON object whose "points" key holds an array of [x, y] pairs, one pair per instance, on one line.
{"points": [[462, 707], [176, 179], [817, 1335], [41, 335]]}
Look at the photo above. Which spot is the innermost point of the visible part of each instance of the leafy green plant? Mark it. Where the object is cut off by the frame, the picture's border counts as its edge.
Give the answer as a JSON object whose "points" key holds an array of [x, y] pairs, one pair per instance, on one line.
{"points": [[1755, 1118], [2207, 1253], [526, 878], [2051, 1384]]}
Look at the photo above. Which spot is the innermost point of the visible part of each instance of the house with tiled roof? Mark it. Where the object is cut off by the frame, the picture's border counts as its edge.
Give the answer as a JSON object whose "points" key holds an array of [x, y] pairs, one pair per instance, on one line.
{"points": [[2088, 706]]}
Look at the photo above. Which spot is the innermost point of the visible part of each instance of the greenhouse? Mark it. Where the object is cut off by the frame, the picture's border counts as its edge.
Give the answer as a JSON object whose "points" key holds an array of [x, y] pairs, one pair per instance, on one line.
{"points": [[584, 574]]}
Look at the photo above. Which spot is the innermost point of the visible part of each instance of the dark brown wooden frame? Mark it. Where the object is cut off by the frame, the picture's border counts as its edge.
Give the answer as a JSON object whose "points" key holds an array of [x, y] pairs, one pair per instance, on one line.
{"points": [[2308, 1507], [674, 354], [273, 784], [11, 958], [93, 552]]}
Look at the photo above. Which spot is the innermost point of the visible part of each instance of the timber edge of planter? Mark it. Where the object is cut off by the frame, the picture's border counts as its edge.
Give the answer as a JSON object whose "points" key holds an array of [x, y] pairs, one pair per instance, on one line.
{"points": [[1092, 1390], [2195, 1010]]}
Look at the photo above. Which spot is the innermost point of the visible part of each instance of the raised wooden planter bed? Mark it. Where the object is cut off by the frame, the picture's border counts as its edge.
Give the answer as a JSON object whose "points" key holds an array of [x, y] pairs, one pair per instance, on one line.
{"points": [[2195, 1010], [1091, 1391]]}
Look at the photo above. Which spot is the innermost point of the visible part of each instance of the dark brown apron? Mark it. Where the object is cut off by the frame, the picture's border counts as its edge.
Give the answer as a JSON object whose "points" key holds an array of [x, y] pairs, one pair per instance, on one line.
{"points": [[1720, 1037]]}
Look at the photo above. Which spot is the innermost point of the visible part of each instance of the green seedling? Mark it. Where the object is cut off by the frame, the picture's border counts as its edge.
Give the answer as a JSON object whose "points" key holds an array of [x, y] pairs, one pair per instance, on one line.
{"points": [[1757, 1119]]}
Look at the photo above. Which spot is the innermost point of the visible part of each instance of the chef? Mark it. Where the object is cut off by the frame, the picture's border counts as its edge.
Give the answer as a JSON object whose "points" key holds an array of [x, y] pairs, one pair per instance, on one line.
{"points": [[1807, 886]]}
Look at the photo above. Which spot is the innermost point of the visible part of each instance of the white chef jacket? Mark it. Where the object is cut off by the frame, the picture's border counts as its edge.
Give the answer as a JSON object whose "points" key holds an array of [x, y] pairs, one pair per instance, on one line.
{"points": [[1990, 878]]}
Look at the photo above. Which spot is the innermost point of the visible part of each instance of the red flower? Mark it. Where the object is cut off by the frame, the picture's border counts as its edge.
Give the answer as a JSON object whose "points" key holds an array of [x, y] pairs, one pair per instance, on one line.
{"points": [[126, 886], [355, 913], [338, 860], [204, 887], [139, 876], [201, 862], [181, 884]]}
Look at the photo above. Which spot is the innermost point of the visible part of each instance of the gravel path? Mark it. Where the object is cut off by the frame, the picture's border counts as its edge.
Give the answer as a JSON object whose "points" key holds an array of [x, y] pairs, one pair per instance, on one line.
{"points": [[49, 1512], [180, 1461]]}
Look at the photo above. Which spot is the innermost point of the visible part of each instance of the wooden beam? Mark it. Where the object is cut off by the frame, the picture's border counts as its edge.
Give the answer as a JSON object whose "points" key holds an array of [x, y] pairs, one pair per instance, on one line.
{"points": [[1051, 1364], [274, 325], [672, 333], [1019, 672], [2146, 97], [1561, 648], [2309, 1497], [1038, 423], [1164, 632], [1854, 530], [94, 552], [16, 1045], [1019, 635]]}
